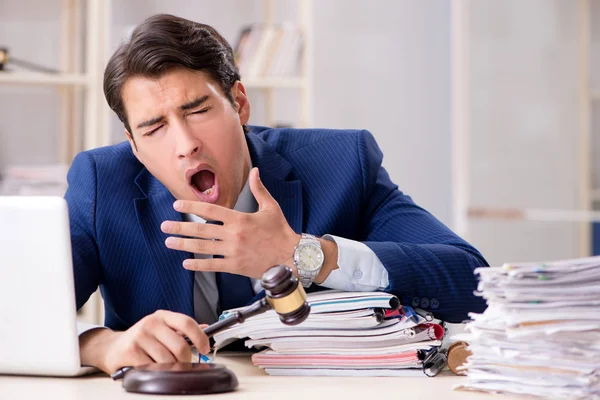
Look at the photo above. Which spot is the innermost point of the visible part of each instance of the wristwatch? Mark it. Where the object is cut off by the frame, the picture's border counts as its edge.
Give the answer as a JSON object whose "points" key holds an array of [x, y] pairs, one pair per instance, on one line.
{"points": [[308, 259]]}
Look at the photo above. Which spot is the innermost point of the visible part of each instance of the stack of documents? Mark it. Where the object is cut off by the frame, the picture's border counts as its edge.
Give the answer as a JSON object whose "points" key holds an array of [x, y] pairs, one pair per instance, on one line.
{"points": [[346, 333], [540, 334]]}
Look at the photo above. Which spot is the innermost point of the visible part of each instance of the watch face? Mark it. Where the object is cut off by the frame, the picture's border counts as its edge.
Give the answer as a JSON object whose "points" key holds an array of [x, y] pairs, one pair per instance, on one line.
{"points": [[310, 257]]}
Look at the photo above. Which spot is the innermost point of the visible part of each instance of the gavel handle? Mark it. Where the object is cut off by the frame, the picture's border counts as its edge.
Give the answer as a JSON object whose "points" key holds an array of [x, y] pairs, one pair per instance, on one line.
{"points": [[258, 307]]}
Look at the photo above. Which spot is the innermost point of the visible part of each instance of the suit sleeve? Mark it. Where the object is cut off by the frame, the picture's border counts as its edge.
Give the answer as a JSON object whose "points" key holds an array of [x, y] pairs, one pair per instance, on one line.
{"points": [[81, 199], [428, 265]]}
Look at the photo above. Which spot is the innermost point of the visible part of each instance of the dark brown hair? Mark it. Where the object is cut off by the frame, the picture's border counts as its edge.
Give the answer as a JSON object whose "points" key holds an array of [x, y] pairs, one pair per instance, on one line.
{"points": [[161, 43]]}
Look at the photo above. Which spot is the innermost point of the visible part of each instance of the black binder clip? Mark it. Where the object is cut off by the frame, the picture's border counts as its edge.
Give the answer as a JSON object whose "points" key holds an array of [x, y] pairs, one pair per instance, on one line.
{"points": [[434, 361]]}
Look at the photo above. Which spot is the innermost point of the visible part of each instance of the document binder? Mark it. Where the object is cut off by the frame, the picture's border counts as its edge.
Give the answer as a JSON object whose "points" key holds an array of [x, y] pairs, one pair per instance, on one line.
{"points": [[346, 334]]}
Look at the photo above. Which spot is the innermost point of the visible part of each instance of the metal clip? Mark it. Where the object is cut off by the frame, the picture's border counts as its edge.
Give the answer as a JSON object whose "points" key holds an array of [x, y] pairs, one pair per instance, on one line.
{"points": [[434, 361]]}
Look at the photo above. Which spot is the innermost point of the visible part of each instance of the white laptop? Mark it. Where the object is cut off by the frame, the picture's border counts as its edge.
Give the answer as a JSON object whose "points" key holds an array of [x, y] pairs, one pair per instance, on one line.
{"points": [[38, 327]]}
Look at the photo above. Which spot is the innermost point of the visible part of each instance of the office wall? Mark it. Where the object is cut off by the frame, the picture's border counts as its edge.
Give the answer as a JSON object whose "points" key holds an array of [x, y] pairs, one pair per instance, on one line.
{"points": [[384, 66], [524, 122]]}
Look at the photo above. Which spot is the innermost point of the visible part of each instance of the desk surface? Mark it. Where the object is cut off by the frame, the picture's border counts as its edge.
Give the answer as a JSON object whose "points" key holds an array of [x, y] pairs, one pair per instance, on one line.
{"points": [[253, 384]]}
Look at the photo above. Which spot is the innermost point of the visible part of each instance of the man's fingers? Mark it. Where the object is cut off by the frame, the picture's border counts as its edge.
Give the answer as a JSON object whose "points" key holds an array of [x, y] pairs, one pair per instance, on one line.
{"points": [[193, 229], [207, 265], [155, 349], [207, 211], [260, 192], [141, 358], [190, 328], [174, 342], [198, 246]]}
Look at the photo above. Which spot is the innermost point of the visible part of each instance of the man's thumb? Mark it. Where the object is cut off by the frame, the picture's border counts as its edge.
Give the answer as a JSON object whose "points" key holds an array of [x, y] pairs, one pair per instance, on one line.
{"points": [[260, 192]]}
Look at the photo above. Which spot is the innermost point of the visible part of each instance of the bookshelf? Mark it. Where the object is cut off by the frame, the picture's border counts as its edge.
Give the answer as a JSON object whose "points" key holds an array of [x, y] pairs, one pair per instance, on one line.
{"points": [[35, 78], [80, 96], [303, 83]]}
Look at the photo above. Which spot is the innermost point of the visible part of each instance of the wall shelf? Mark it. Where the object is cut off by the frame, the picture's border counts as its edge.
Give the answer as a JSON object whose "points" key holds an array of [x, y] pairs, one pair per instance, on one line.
{"points": [[36, 78]]}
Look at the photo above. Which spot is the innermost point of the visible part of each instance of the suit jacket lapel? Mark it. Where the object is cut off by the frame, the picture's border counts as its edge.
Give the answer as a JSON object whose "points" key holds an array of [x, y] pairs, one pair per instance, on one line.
{"points": [[289, 196], [176, 282], [277, 176]]}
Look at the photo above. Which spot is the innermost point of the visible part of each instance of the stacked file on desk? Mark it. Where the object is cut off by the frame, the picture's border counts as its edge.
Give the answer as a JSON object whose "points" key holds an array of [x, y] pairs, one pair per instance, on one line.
{"points": [[540, 334], [346, 333]]}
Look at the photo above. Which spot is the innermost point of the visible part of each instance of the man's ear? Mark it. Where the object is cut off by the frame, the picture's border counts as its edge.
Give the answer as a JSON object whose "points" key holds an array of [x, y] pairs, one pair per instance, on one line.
{"points": [[132, 143], [238, 91]]}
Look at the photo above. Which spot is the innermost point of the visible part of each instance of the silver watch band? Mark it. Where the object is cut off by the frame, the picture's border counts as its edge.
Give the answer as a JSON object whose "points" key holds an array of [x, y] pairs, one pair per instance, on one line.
{"points": [[306, 279], [307, 237]]}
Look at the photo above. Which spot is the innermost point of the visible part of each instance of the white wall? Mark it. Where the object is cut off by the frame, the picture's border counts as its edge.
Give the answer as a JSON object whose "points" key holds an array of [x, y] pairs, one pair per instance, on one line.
{"points": [[524, 122], [385, 66]]}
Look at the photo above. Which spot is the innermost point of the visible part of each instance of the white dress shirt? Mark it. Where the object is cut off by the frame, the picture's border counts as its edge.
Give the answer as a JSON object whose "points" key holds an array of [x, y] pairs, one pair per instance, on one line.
{"points": [[359, 269]]}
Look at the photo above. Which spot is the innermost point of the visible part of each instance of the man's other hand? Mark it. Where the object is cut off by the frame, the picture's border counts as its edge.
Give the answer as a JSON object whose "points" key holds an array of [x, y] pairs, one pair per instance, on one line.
{"points": [[251, 243], [157, 338]]}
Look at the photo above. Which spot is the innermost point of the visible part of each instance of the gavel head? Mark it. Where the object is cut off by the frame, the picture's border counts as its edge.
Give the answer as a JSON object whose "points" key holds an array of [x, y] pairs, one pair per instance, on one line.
{"points": [[285, 294]]}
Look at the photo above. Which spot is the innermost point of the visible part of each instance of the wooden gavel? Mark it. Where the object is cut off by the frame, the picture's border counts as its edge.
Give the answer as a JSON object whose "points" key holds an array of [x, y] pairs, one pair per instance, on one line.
{"points": [[283, 293]]}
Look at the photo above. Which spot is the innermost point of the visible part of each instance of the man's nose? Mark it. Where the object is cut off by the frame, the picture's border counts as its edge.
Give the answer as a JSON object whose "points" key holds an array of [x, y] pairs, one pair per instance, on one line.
{"points": [[187, 144]]}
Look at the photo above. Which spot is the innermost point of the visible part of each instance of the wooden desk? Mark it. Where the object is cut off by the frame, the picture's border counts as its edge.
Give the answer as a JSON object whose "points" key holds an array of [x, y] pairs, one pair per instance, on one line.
{"points": [[253, 384]]}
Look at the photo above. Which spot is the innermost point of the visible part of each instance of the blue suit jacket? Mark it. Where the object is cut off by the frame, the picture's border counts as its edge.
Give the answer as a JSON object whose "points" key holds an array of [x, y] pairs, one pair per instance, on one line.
{"points": [[326, 181]]}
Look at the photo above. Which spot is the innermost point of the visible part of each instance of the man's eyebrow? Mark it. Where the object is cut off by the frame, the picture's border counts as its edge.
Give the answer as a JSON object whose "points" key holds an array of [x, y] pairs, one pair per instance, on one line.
{"points": [[187, 106], [194, 103], [150, 122]]}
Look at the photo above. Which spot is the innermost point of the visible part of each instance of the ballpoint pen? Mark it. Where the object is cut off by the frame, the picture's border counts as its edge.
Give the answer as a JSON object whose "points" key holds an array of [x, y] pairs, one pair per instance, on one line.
{"points": [[409, 314], [196, 358]]}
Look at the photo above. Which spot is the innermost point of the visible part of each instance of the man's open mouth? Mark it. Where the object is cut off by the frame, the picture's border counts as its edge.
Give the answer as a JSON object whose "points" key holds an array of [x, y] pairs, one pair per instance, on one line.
{"points": [[205, 185], [203, 181]]}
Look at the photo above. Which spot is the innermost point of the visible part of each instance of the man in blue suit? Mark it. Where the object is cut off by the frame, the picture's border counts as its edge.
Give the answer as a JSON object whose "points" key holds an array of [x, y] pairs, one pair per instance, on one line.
{"points": [[178, 223]]}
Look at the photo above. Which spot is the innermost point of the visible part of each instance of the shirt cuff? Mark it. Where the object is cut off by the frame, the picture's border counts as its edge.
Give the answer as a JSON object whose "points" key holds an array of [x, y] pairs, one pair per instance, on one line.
{"points": [[359, 267], [83, 327]]}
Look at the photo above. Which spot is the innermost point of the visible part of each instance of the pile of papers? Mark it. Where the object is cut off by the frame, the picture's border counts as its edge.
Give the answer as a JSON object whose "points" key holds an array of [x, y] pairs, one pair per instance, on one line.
{"points": [[45, 180], [346, 334], [540, 334]]}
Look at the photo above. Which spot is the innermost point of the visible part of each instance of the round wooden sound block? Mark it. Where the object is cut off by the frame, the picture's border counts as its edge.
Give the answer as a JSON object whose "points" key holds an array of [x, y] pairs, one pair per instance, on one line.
{"points": [[457, 356], [180, 378]]}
